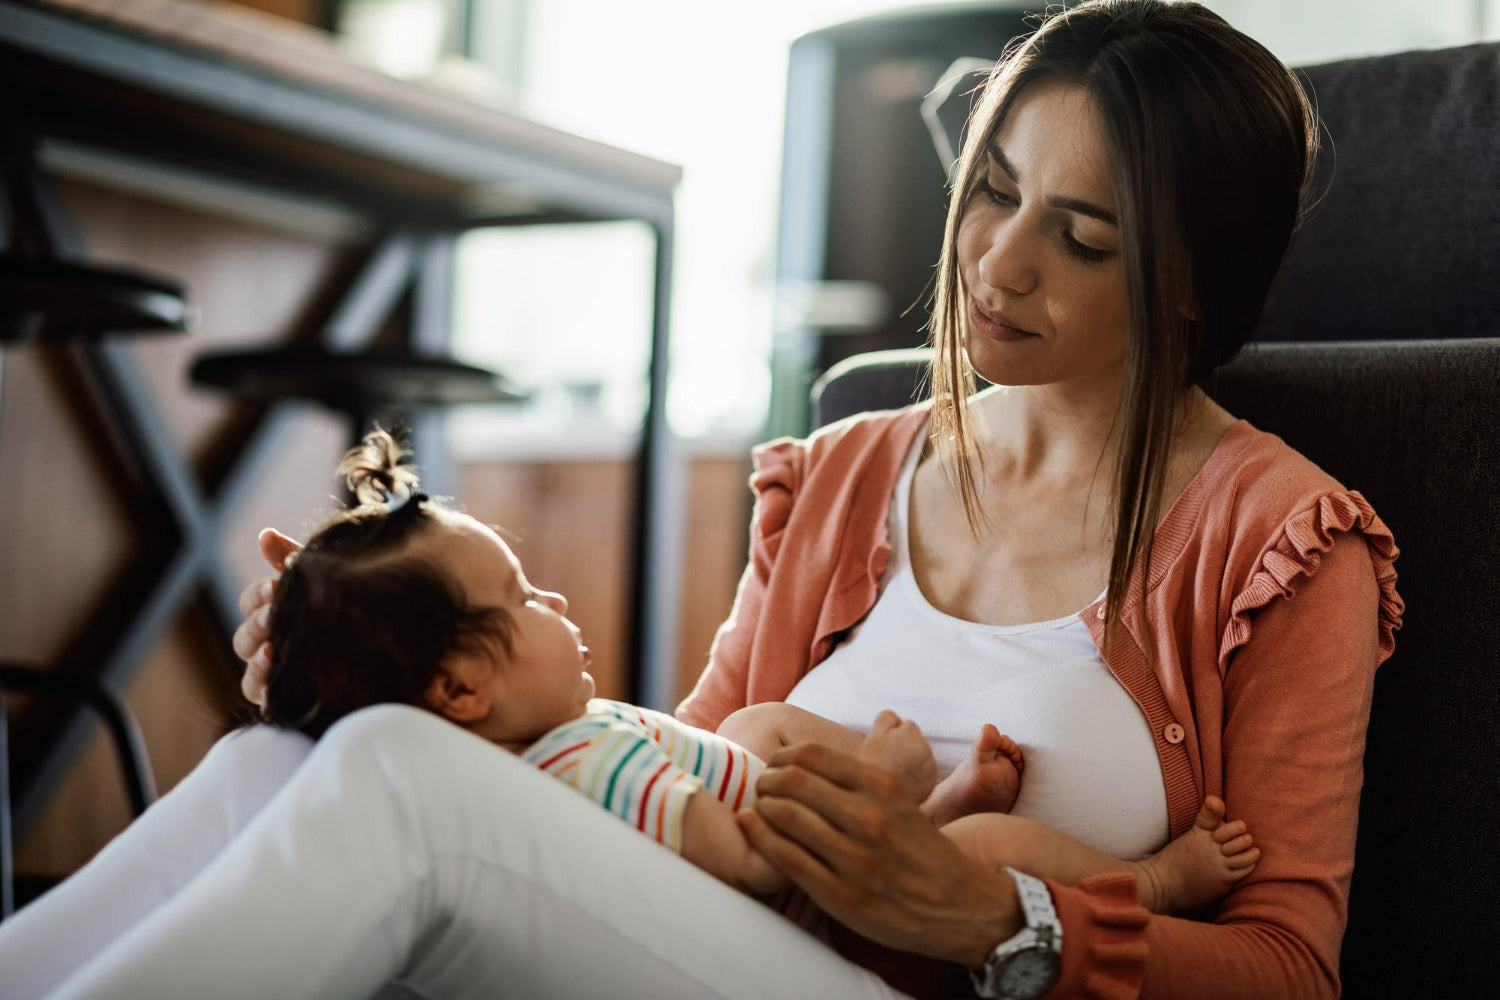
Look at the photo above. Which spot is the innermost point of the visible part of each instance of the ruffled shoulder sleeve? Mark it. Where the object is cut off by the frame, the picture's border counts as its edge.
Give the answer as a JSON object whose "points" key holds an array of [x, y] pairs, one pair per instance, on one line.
{"points": [[1295, 554], [779, 467], [793, 576]]}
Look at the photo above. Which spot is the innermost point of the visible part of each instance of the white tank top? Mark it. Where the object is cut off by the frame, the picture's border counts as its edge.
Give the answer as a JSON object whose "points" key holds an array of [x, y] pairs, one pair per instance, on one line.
{"points": [[1091, 764]]}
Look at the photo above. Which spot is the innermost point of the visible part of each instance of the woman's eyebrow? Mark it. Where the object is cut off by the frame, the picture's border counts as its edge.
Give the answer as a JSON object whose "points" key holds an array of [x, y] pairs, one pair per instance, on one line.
{"points": [[1054, 200]]}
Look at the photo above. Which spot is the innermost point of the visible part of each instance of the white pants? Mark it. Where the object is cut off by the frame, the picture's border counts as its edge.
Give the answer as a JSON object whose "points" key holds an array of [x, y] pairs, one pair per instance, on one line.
{"points": [[403, 849]]}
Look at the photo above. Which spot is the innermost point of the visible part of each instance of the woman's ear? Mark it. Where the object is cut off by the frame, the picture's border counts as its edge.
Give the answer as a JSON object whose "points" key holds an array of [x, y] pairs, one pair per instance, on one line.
{"points": [[458, 693]]}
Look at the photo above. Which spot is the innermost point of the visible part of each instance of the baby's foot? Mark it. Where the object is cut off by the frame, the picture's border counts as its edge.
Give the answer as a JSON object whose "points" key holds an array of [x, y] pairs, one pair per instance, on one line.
{"points": [[988, 780], [1199, 866]]}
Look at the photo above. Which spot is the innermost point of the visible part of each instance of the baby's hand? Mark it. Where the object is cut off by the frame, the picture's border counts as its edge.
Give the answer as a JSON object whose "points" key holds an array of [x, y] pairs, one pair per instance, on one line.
{"points": [[758, 877], [897, 745]]}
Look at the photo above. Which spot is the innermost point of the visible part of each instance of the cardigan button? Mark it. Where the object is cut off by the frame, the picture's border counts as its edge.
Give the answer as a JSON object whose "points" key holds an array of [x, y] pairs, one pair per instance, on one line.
{"points": [[1099, 614], [1173, 733]]}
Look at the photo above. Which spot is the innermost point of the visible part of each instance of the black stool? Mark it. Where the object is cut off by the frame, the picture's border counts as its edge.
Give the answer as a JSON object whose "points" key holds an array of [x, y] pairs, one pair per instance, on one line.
{"points": [[386, 386], [53, 301], [362, 386]]}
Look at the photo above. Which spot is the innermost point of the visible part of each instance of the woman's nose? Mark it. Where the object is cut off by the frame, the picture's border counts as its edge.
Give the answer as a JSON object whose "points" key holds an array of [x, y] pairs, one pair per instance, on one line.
{"points": [[555, 601], [1008, 261]]}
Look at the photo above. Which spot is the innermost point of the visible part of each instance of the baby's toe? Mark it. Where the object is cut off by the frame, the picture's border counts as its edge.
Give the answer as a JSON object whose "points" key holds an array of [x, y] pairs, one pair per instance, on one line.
{"points": [[1238, 845], [989, 741], [1229, 831], [1211, 813]]}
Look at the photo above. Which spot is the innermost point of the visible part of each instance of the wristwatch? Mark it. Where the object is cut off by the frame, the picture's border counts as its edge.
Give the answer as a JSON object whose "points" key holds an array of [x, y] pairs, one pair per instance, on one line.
{"points": [[1026, 966]]}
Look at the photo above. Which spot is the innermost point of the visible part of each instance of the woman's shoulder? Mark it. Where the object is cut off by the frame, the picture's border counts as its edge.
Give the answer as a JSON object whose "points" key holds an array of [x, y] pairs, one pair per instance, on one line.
{"points": [[1268, 477], [1257, 488], [1276, 513], [843, 444]]}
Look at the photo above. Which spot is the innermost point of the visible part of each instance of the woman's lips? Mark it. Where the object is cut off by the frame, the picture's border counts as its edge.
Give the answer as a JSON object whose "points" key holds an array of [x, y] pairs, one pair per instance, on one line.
{"points": [[992, 328]]}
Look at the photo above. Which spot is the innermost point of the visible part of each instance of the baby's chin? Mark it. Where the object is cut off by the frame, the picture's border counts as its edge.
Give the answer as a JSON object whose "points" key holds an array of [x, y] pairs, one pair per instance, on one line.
{"points": [[588, 686]]}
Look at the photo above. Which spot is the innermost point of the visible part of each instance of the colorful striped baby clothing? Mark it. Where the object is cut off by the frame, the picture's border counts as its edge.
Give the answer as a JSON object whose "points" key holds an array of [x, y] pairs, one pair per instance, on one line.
{"points": [[643, 766]]}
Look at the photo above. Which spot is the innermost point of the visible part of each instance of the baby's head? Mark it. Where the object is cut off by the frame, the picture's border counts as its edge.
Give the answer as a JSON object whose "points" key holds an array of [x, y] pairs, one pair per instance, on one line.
{"points": [[402, 600]]}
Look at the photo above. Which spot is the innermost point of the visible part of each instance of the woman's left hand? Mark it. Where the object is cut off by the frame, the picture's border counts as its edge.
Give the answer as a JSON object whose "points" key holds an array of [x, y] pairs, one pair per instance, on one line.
{"points": [[848, 834]]}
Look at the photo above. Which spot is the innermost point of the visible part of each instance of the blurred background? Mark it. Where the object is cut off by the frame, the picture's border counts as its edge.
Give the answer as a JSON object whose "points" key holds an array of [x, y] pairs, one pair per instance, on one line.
{"points": [[801, 229]]}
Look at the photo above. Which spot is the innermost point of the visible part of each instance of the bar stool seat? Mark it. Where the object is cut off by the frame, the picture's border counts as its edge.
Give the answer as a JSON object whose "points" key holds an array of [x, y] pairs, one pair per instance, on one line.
{"points": [[356, 384], [49, 299]]}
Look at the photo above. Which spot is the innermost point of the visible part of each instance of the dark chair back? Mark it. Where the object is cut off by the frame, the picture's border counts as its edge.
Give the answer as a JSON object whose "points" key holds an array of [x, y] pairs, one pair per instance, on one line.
{"points": [[1411, 425], [1405, 243]]}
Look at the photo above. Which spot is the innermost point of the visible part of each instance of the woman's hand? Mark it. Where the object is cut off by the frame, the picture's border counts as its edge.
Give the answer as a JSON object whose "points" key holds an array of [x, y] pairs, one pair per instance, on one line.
{"points": [[250, 642], [848, 833]]}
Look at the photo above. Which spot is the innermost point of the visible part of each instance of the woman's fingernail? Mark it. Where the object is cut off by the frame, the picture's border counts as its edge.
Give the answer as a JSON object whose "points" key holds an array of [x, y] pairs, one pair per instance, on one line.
{"points": [[263, 616], [265, 590]]}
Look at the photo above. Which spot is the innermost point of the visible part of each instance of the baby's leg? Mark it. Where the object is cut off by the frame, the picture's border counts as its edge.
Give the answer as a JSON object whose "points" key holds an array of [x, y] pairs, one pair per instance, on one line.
{"points": [[765, 728], [988, 780], [1186, 875]]}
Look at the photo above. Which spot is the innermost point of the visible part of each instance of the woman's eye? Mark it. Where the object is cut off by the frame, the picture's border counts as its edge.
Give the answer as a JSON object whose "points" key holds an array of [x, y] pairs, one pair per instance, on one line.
{"points": [[1080, 251], [1083, 251], [995, 195]]}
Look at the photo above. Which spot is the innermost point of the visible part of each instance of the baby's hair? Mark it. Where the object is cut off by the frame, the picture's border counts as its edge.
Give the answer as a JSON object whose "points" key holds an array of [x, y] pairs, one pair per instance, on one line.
{"points": [[358, 618]]}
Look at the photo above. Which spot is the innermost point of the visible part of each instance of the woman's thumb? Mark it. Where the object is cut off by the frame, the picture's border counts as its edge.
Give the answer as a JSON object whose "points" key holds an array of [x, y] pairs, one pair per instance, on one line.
{"points": [[275, 547]]}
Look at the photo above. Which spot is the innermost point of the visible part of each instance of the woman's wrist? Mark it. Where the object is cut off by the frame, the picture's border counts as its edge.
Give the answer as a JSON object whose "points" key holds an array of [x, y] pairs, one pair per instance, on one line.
{"points": [[997, 918]]}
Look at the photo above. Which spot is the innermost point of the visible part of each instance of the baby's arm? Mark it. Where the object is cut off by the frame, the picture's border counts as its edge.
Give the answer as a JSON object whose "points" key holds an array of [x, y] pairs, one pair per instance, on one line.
{"points": [[676, 784], [712, 840], [1188, 874], [894, 743], [765, 728]]}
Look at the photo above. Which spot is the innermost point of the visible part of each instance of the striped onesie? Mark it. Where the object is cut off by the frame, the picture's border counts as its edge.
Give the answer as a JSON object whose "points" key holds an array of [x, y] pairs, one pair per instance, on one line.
{"points": [[643, 766]]}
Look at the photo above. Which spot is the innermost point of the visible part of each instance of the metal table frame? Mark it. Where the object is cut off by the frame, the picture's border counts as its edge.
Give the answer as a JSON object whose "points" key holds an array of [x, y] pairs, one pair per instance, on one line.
{"points": [[436, 166]]}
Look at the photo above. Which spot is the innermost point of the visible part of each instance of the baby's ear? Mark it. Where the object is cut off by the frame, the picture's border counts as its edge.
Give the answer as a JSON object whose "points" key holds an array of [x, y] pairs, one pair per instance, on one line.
{"points": [[451, 695]]}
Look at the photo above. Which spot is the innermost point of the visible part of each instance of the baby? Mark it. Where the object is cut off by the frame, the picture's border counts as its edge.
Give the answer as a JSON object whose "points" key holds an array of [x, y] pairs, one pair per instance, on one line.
{"points": [[403, 600]]}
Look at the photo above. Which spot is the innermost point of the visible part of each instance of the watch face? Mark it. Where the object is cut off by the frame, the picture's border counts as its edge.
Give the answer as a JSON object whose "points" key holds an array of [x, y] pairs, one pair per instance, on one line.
{"points": [[1029, 973]]}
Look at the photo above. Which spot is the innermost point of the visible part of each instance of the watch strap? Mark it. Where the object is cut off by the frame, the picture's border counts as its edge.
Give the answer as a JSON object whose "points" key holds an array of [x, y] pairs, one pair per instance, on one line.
{"points": [[1036, 904], [1042, 932]]}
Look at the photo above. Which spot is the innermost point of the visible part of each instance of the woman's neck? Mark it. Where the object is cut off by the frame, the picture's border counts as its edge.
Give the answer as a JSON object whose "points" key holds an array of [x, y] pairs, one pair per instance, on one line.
{"points": [[1034, 438]]}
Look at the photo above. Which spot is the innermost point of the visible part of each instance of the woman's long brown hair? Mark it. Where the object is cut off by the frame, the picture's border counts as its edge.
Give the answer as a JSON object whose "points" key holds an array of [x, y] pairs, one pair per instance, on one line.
{"points": [[1212, 141]]}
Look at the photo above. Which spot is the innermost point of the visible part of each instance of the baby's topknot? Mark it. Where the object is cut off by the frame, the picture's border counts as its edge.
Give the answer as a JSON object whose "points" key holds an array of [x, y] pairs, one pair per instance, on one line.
{"points": [[375, 471]]}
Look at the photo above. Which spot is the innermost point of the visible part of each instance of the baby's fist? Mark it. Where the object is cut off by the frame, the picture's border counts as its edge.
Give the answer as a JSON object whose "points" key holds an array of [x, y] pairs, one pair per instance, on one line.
{"points": [[898, 745]]}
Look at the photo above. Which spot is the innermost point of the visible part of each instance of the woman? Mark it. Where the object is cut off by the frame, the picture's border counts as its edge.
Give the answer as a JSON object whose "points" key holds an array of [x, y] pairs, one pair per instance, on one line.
{"points": [[1130, 183]]}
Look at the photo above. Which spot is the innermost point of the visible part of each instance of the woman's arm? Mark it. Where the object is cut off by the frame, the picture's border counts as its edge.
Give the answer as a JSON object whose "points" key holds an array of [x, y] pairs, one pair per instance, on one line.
{"points": [[1296, 706], [1297, 700]]}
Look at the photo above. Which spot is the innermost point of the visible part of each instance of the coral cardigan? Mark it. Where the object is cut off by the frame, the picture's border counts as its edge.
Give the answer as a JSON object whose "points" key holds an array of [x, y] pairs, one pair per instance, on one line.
{"points": [[1271, 599]]}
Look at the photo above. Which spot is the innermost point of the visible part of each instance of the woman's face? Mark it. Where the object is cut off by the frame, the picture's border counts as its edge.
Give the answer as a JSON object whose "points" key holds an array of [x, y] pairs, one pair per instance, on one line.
{"points": [[1039, 248]]}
